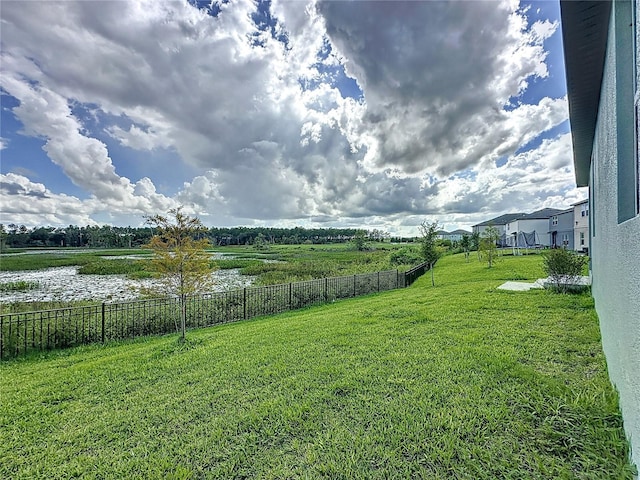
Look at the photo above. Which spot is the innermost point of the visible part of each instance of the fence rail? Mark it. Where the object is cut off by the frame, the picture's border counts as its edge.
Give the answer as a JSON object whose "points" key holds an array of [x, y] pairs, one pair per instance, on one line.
{"points": [[24, 332]]}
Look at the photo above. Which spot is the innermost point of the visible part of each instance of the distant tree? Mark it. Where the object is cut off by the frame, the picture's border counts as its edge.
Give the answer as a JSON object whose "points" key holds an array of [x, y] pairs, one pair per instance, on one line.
{"points": [[465, 245], [429, 244], [181, 260], [3, 237], [360, 240], [379, 235], [260, 242], [489, 243]]}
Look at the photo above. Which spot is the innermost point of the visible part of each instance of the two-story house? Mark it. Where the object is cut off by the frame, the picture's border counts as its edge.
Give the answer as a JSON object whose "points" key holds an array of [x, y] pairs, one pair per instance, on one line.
{"points": [[500, 223], [561, 234], [457, 235], [530, 230], [581, 225]]}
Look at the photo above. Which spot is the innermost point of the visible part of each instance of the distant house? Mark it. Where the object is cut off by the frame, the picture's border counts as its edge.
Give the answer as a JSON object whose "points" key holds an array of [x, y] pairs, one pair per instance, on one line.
{"points": [[581, 225], [561, 232], [603, 89], [454, 236], [500, 223], [530, 230]]}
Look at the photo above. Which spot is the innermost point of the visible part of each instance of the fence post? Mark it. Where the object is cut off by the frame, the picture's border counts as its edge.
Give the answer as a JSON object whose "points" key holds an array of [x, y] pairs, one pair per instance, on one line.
{"points": [[102, 317], [290, 296], [244, 303], [378, 280], [326, 289], [354, 285]]}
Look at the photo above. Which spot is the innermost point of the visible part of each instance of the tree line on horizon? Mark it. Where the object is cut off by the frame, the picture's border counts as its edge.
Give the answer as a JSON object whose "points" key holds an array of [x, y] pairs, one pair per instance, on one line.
{"points": [[20, 236]]}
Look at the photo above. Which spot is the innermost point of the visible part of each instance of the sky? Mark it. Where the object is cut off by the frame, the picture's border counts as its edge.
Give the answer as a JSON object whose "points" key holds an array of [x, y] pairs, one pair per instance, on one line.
{"points": [[368, 114]]}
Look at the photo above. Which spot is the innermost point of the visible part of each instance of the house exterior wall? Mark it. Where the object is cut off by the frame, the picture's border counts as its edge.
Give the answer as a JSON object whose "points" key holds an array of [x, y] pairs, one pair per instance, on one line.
{"points": [[481, 228], [581, 226], [510, 230], [615, 245], [563, 229], [456, 235], [540, 226]]}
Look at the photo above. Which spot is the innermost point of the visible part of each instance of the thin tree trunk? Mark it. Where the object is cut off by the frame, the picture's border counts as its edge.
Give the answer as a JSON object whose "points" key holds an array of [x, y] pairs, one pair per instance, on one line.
{"points": [[183, 305]]}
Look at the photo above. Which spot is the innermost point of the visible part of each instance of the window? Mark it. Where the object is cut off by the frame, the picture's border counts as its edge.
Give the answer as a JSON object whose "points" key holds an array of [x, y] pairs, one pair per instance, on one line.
{"points": [[554, 220], [626, 110], [584, 210], [592, 199], [582, 239]]}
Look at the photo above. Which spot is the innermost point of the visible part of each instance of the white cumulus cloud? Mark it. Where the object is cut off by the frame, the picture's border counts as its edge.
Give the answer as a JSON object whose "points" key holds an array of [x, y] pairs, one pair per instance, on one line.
{"points": [[247, 121]]}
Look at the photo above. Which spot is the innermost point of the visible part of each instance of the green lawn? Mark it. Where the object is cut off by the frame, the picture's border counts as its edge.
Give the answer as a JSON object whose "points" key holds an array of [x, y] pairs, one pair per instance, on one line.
{"points": [[457, 381]]}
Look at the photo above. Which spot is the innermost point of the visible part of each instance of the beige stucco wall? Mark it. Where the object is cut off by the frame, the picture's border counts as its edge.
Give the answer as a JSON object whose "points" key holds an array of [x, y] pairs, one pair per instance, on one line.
{"points": [[615, 254]]}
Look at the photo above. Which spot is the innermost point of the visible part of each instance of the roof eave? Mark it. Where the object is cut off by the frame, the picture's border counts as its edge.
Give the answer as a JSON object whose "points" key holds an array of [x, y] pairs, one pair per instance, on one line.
{"points": [[585, 27]]}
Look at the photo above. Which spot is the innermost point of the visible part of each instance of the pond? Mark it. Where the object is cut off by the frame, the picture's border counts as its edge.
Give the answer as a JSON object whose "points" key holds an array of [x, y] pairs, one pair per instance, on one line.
{"points": [[65, 284]]}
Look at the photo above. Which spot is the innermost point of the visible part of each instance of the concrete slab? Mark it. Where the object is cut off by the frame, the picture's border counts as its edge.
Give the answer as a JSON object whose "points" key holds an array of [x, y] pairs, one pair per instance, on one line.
{"points": [[519, 286], [541, 283]]}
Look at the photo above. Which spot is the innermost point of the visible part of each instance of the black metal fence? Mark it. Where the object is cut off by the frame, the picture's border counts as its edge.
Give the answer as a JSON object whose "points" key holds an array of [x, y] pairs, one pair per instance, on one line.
{"points": [[416, 272], [23, 332]]}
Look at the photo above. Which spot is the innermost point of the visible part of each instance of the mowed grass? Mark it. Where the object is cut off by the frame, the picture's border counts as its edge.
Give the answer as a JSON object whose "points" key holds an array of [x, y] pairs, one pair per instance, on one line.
{"points": [[456, 381]]}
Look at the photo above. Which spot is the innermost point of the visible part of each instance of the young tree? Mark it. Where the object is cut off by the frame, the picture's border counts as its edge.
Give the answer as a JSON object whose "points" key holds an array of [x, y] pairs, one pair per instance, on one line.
{"points": [[465, 244], [179, 258], [489, 243], [475, 243], [428, 245]]}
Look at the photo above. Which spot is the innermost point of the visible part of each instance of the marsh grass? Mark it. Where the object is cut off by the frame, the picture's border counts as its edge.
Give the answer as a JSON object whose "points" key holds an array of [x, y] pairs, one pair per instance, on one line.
{"points": [[284, 263], [120, 266], [19, 286], [455, 381], [43, 260], [60, 258], [18, 307], [231, 263], [294, 263]]}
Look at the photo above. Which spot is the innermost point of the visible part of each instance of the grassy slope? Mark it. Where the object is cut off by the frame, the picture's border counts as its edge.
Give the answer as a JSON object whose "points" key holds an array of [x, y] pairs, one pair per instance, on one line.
{"points": [[456, 381]]}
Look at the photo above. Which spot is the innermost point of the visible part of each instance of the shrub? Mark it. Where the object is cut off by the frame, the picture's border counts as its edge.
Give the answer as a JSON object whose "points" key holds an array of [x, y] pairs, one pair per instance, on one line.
{"points": [[405, 256], [563, 268]]}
